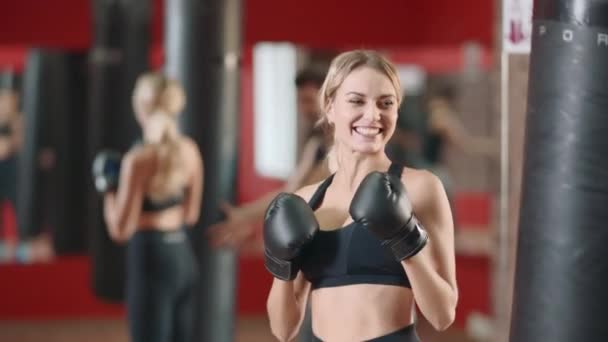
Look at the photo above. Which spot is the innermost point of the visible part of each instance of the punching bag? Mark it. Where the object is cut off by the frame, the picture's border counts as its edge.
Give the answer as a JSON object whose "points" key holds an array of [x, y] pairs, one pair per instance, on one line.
{"points": [[202, 48], [59, 151], [119, 54], [71, 170], [29, 196], [43, 99], [562, 266]]}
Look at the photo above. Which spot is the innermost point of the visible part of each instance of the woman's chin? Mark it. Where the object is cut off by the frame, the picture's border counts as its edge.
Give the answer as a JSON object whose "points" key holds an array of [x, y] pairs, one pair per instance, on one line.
{"points": [[368, 149]]}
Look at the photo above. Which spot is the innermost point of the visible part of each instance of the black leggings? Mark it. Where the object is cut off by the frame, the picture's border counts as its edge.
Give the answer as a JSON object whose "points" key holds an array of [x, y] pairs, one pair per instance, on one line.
{"points": [[407, 334], [161, 274]]}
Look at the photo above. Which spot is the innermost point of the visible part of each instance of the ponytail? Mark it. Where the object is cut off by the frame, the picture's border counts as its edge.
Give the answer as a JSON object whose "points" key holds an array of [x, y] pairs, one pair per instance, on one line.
{"points": [[169, 177]]}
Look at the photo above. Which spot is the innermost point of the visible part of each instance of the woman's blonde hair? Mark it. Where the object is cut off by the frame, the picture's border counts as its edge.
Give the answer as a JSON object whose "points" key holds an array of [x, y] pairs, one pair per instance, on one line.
{"points": [[341, 66], [166, 99], [163, 93]]}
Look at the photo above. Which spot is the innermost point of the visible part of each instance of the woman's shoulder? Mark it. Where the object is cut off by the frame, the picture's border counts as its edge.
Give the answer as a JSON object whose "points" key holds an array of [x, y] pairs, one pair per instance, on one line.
{"points": [[142, 150], [139, 156], [411, 174], [421, 183], [189, 145], [139, 151]]}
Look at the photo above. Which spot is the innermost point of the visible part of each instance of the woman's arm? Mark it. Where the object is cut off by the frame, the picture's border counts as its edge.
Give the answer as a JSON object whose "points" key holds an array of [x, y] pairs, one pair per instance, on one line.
{"points": [[432, 272], [287, 300], [192, 205], [11, 145], [453, 130], [123, 207], [286, 306]]}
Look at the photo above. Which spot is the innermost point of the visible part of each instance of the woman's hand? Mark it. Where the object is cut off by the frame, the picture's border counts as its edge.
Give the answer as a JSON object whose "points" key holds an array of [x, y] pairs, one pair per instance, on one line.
{"points": [[234, 231]]}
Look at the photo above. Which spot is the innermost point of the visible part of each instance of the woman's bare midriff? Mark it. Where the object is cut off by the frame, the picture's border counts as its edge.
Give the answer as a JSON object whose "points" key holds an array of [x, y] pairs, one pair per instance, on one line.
{"points": [[166, 220], [360, 312]]}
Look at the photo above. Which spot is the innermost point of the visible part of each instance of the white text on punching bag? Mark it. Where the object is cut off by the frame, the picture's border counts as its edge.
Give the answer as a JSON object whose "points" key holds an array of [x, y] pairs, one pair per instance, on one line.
{"points": [[568, 35]]}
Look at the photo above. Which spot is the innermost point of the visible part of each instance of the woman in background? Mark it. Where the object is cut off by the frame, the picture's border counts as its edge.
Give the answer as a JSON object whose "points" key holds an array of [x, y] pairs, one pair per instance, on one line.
{"points": [[150, 196]]}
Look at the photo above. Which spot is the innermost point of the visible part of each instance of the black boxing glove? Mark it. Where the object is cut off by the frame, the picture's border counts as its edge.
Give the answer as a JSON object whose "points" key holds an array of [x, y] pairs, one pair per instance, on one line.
{"points": [[289, 225], [106, 170], [381, 205]]}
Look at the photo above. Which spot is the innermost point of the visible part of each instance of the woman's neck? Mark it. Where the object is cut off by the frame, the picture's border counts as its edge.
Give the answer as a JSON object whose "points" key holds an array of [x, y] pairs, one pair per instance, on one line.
{"points": [[354, 166]]}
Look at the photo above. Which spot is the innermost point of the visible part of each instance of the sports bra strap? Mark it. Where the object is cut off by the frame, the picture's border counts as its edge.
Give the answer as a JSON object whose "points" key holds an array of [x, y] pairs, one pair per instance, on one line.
{"points": [[395, 170], [317, 198]]}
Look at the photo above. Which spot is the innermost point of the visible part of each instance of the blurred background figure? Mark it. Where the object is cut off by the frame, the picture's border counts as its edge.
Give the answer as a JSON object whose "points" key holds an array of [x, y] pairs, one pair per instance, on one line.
{"points": [[241, 221], [11, 132], [151, 196], [14, 247], [428, 125]]}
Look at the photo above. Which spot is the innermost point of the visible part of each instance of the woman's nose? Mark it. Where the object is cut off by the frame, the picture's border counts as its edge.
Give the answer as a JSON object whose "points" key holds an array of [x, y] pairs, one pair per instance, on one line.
{"points": [[372, 113]]}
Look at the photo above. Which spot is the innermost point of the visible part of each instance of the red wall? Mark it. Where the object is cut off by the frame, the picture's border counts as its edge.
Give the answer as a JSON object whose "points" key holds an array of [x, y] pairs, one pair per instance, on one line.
{"points": [[13, 57], [61, 23], [317, 23], [321, 23]]}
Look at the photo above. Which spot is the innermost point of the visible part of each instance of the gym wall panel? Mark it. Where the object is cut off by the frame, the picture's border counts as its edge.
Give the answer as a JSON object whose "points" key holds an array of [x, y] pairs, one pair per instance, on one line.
{"points": [[68, 23]]}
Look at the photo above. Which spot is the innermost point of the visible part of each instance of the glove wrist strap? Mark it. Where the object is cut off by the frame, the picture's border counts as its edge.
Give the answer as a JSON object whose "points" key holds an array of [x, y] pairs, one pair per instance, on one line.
{"points": [[412, 240], [281, 269]]}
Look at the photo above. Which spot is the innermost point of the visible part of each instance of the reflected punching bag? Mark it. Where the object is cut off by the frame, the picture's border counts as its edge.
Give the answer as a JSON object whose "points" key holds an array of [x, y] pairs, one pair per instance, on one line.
{"points": [[72, 169], [32, 177], [562, 266], [52, 160], [202, 48], [119, 54]]}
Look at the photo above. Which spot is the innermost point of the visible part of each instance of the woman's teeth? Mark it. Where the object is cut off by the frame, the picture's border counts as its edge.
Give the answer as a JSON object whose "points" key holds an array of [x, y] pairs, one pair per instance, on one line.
{"points": [[368, 131]]}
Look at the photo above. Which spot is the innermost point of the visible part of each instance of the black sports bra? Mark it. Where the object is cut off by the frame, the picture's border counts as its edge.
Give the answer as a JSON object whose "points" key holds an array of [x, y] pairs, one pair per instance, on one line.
{"points": [[350, 254], [150, 205]]}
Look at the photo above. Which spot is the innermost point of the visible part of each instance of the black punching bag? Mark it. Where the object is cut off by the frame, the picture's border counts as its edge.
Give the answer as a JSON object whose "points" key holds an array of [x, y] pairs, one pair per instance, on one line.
{"points": [[562, 261], [203, 46], [32, 177], [70, 186], [52, 166], [119, 54]]}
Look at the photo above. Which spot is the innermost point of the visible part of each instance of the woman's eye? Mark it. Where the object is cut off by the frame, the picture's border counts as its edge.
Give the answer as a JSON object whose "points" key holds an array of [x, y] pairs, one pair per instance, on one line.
{"points": [[387, 103], [356, 101]]}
